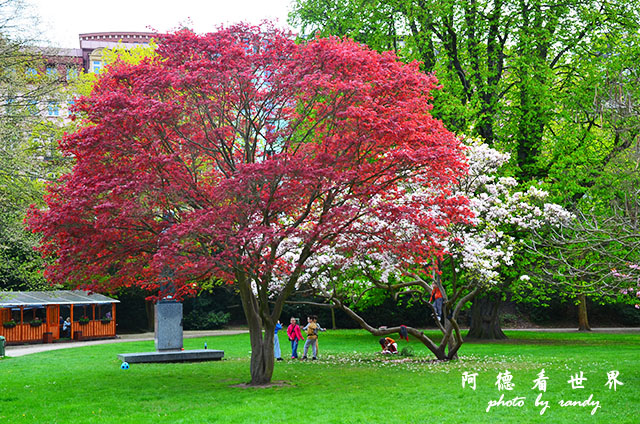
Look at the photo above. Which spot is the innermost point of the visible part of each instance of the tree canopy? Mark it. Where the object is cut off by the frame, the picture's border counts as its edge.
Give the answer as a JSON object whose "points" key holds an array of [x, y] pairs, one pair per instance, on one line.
{"points": [[522, 75], [238, 155], [475, 252]]}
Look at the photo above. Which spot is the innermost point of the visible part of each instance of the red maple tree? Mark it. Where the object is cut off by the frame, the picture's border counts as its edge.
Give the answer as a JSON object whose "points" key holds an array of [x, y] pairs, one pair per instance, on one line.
{"points": [[238, 155]]}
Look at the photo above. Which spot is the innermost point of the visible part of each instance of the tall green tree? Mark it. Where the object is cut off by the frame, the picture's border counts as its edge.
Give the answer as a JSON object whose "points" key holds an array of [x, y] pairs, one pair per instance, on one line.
{"points": [[28, 154], [549, 82], [505, 65]]}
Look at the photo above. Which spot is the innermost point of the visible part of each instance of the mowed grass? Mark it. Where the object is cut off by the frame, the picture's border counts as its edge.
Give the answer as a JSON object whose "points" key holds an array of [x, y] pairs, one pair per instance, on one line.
{"points": [[351, 383]]}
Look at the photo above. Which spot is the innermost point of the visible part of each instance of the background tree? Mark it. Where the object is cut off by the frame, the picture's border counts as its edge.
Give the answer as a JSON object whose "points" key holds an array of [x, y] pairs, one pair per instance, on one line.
{"points": [[239, 155], [503, 64], [474, 254], [597, 254], [28, 155], [521, 75], [601, 159]]}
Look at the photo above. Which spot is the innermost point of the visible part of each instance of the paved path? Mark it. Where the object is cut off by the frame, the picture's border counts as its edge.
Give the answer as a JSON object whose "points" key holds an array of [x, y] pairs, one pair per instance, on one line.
{"points": [[21, 350], [616, 330]]}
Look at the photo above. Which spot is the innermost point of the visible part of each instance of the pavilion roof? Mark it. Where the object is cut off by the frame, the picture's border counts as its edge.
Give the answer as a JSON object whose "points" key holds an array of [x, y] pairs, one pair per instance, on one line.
{"points": [[57, 297]]}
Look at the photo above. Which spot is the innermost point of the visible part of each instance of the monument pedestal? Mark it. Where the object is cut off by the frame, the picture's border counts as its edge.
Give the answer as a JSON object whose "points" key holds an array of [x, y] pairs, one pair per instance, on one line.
{"points": [[174, 356], [168, 339]]}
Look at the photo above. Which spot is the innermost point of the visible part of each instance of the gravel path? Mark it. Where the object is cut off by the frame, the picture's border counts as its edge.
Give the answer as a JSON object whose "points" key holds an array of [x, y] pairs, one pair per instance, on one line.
{"points": [[21, 350], [615, 330]]}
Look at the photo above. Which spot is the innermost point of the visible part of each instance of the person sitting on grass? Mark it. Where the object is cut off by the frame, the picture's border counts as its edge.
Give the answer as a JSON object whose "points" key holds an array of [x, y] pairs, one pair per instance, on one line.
{"points": [[389, 346]]}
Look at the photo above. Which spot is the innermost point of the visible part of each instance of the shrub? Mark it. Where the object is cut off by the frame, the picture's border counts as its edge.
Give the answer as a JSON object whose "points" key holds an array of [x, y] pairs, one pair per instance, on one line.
{"points": [[407, 351], [508, 319], [197, 320]]}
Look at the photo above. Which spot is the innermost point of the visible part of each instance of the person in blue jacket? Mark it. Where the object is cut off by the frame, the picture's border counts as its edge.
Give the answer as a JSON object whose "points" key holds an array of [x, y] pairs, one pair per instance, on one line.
{"points": [[276, 343]]}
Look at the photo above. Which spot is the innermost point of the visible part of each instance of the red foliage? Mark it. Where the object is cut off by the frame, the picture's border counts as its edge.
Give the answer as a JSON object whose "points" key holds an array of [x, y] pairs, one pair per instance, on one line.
{"points": [[205, 159]]}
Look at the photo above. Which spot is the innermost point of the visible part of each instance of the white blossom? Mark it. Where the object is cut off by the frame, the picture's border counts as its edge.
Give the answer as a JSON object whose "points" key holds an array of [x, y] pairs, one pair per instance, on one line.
{"points": [[481, 247]]}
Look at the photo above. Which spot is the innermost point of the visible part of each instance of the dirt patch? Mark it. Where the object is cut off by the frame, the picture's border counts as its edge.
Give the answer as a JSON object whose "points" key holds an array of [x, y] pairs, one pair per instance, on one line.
{"points": [[278, 383]]}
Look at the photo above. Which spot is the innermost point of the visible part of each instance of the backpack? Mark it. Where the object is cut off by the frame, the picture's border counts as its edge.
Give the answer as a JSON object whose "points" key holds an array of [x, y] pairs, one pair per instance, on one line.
{"points": [[312, 330], [404, 334]]}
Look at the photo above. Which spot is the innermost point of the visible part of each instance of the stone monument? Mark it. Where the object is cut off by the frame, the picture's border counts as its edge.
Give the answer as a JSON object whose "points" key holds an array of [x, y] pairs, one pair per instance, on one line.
{"points": [[168, 325]]}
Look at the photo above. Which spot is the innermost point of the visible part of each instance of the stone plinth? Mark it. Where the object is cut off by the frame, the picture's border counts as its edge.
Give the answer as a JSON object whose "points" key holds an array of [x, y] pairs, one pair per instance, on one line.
{"points": [[176, 356], [168, 326]]}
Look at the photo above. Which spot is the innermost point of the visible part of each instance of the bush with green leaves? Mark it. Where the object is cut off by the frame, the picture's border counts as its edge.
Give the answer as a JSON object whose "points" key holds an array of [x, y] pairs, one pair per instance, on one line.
{"points": [[196, 320]]}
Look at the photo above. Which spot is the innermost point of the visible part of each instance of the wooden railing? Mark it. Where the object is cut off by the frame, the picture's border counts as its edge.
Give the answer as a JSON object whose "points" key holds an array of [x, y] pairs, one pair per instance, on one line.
{"points": [[94, 329], [23, 333]]}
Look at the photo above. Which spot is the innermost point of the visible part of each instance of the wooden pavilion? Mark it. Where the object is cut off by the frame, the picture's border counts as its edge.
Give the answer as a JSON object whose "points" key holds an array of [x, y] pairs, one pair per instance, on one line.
{"points": [[37, 316]]}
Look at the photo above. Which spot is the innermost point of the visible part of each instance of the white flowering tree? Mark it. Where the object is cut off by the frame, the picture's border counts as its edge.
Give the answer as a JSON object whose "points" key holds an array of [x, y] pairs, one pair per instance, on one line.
{"points": [[474, 251], [595, 255]]}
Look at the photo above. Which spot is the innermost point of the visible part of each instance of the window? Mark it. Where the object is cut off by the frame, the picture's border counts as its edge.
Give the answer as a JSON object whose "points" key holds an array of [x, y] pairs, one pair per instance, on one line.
{"points": [[82, 311], [32, 313], [52, 71], [104, 311], [95, 66], [15, 315], [72, 73], [53, 109], [31, 72]]}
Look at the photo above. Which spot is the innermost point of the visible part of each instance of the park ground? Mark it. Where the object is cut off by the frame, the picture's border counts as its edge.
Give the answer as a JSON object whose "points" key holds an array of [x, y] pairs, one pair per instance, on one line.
{"points": [[350, 383]]}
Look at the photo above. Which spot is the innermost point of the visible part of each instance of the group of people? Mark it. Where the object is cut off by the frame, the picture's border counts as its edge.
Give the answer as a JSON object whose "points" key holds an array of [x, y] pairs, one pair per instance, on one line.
{"points": [[295, 336], [389, 346]]}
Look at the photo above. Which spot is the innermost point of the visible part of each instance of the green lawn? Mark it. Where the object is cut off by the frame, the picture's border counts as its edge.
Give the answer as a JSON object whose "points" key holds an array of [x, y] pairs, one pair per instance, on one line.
{"points": [[350, 383]]}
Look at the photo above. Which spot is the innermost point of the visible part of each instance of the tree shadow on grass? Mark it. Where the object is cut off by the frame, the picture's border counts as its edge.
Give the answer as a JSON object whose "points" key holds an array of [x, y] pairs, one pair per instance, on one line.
{"points": [[277, 383]]}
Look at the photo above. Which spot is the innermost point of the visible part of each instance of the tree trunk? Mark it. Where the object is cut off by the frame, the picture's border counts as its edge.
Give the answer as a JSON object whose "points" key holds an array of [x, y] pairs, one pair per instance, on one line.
{"points": [[485, 319], [261, 332], [583, 320], [149, 309], [333, 319], [262, 358]]}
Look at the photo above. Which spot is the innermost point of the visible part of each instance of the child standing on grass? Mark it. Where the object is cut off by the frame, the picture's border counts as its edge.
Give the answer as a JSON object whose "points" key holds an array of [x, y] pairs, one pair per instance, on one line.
{"points": [[312, 329], [276, 343], [295, 335]]}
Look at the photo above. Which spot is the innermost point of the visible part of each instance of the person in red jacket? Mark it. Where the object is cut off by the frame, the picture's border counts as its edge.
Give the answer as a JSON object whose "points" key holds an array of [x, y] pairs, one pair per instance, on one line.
{"points": [[437, 300], [295, 335]]}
